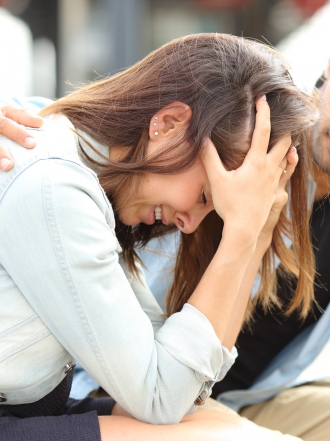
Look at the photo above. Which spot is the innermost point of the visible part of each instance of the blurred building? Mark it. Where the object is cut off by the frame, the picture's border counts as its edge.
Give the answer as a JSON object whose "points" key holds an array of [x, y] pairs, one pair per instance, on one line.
{"points": [[81, 40]]}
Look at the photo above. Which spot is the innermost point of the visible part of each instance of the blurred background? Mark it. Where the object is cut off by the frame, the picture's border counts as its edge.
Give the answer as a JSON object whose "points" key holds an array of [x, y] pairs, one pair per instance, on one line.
{"points": [[47, 44]]}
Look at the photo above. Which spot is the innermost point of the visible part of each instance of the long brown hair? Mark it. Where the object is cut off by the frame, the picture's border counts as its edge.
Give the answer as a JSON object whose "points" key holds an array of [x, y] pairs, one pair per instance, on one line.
{"points": [[219, 76]]}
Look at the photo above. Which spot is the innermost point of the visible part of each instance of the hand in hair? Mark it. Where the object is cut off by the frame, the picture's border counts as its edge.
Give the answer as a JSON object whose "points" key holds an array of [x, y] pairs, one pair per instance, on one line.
{"points": [[288, 165], [11, 121], [244, 197]]}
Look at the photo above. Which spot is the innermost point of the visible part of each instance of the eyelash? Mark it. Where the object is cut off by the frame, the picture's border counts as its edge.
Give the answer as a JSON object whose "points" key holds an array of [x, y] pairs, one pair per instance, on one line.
{"points": [[204, 200]]}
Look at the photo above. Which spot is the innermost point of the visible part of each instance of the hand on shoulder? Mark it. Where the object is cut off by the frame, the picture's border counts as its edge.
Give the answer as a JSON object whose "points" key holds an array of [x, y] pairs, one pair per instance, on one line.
{"points": [[12, 122]]}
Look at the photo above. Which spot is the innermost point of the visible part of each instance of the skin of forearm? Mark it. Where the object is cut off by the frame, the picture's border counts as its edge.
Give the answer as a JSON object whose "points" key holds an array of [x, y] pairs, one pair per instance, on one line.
{"points": [[215, 295], [240, 305], [205, 424]]}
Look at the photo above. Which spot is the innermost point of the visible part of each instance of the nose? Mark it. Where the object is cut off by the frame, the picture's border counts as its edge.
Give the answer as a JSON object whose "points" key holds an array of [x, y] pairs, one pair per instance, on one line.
{"points": [[188, 222]]}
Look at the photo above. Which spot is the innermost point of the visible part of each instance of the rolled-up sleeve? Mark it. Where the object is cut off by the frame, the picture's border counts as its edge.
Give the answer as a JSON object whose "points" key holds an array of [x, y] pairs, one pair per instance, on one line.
{"points": [[64, 257]]}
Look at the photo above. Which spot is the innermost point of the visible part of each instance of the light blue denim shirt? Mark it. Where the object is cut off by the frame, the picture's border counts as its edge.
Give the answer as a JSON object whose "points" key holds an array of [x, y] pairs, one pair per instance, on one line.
{"points": [[66, 294]]}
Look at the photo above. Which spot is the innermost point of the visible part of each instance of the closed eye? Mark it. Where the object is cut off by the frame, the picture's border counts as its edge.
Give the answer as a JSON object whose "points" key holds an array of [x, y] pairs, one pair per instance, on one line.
{"points": [[204, 200]]}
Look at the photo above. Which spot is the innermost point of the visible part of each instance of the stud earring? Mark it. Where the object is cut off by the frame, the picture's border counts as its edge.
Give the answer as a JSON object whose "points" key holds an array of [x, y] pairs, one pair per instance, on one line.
{"points": [[156, 133]]}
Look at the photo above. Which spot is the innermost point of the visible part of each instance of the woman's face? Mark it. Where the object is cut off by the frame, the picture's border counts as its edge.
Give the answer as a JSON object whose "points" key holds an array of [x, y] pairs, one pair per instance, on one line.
{"points": [[183, 199]]}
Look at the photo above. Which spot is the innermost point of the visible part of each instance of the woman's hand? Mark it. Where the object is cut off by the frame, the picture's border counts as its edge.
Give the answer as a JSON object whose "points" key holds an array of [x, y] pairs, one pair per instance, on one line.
{"points": [[288, 164], [243, 198], [11, 122]]}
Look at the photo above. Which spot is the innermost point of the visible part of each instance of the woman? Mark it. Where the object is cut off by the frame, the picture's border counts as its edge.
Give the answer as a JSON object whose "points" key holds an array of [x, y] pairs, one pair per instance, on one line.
{"points": [[154, 135]]}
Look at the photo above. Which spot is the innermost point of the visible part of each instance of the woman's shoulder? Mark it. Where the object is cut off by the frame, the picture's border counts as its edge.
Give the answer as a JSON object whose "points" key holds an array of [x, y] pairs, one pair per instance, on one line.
{"points": [[56, 138], [55, 159]]}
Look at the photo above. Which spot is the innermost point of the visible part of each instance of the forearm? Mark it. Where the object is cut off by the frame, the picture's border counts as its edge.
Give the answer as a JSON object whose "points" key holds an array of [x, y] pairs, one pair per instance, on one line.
{"points": [[216, 294], [237, 315]]}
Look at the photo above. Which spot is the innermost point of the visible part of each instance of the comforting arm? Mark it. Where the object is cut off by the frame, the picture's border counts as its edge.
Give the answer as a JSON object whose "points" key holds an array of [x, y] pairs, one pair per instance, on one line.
{"points": [[14, 115]]}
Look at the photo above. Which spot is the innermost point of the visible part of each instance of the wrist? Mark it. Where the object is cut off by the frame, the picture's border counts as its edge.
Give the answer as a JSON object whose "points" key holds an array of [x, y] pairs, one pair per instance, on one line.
{"points": [[241, 239], [265, 240]]}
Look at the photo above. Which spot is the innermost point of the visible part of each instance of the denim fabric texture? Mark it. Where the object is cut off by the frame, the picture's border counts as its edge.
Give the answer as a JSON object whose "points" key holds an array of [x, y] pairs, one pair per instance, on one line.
{"points": [[66, 294]]}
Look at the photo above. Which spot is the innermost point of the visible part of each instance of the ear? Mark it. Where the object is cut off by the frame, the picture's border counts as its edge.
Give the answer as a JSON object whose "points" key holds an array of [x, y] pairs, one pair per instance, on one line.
{"points": [[169, 121], [327, 71]]}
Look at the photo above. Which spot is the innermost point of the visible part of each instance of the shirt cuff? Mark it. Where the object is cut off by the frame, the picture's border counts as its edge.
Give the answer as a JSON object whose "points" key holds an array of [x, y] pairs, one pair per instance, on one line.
{"points": [[198, 346]]}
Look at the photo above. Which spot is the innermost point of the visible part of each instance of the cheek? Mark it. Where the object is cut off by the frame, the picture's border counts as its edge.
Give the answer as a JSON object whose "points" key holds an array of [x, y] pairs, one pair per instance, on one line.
{"points": [[183, 197], [181, 191]]}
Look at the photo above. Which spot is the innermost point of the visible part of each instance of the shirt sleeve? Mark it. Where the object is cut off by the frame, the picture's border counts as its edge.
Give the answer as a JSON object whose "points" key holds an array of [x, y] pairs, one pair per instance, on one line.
{"points": [[33, 103], [64, 257]]}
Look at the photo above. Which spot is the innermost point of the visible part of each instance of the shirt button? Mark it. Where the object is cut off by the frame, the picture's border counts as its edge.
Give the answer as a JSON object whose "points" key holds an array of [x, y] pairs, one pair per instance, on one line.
{"points": [[69, 367], [3, 399]]}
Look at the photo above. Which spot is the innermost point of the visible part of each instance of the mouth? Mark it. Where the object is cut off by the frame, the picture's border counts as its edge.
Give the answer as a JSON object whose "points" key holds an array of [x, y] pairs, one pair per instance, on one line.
{"points": [[158, 212], [154, 214], [160, 215]]}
